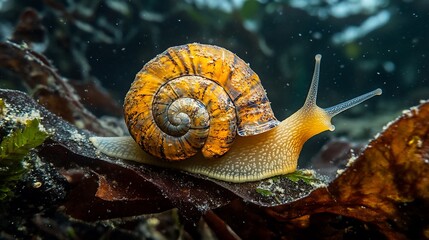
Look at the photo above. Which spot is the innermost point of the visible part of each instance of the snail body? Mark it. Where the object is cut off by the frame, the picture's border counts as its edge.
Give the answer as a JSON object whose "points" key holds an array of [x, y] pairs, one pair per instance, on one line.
{"points": [[201, 109]]}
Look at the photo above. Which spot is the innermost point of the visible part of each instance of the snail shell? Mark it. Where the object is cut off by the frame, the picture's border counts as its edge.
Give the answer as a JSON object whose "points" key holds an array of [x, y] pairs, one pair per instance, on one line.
{"points": [[194, 97]]}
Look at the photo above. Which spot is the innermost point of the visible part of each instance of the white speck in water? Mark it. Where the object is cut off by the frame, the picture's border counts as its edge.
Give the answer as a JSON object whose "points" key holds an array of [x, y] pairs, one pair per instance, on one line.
{"points": [[317, 35], [389, 66]]}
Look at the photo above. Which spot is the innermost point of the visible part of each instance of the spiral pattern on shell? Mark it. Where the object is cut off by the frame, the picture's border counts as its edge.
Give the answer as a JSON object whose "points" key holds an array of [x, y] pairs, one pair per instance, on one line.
{"points": [[194, 97]]}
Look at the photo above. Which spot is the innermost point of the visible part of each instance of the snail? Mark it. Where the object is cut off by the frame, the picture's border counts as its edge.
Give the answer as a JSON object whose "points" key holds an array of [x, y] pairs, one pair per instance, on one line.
{"points": [[201, 109]]}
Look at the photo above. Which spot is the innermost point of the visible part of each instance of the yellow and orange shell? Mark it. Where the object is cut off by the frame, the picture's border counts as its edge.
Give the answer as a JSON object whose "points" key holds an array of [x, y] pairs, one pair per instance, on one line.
{"points": [[194, 98]]}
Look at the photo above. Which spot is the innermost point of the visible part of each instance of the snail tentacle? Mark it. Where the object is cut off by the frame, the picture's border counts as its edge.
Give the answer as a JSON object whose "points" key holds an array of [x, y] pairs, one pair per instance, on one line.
{"points": [[341, 107]]}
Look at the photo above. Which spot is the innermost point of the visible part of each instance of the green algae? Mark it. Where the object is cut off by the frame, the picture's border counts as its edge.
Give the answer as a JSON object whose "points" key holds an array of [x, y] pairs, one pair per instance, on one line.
{"points": [[13, 151]]}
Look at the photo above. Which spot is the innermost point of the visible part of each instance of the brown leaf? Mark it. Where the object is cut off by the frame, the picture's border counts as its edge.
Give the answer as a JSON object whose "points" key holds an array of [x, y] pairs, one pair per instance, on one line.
{"points": [[386, 187]]}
